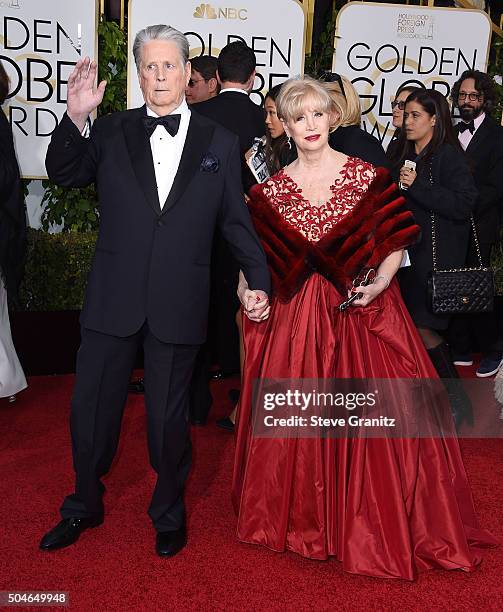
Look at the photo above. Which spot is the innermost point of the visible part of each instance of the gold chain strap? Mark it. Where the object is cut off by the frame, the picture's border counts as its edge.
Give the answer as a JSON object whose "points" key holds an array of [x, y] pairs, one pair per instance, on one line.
{"points": [[434, 242]]}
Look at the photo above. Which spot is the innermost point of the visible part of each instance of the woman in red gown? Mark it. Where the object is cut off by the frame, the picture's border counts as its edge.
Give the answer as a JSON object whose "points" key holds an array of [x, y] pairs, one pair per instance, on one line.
{"points": [[384, 507]]}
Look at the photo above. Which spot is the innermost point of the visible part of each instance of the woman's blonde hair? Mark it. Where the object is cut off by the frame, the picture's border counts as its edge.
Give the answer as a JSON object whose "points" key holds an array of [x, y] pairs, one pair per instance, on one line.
{"points": [[349, 102], [296, 92]]}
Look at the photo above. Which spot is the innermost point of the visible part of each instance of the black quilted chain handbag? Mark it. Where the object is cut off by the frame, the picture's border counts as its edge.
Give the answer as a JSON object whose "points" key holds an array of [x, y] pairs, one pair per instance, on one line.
{"points": [[460, 290]]}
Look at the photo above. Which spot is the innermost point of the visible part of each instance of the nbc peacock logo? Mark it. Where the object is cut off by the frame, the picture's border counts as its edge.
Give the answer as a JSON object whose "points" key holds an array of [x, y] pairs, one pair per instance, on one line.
{"points": [[206, 11]]}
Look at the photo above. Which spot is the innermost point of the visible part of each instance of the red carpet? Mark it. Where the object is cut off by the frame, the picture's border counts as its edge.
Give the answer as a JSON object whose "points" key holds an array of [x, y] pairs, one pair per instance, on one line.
{"points": [[114, 567]]}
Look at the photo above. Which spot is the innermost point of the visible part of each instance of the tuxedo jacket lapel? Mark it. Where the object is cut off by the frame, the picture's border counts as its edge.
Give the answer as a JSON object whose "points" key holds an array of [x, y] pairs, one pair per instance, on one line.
{"points": [[196, 145], [138, 144]]}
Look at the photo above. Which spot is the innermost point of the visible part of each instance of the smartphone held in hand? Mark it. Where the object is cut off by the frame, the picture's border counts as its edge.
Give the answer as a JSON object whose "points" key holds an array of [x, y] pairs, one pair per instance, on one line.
{"points": [[410, 165]]}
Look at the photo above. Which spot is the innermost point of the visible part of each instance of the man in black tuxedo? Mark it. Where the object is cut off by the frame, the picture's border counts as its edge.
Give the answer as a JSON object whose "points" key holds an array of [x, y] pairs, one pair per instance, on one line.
{"points": [[233, 109], [482, 139], [166, 177]]}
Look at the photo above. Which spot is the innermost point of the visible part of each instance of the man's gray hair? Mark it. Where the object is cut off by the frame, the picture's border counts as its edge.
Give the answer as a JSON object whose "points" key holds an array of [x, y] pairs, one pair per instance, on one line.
{"points": [[160, 32]]}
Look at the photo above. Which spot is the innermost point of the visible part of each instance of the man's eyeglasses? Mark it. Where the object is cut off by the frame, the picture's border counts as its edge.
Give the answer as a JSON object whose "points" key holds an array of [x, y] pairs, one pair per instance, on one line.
{"points": [[398, 103], [471, 96], [332, 77], [192, 82]]}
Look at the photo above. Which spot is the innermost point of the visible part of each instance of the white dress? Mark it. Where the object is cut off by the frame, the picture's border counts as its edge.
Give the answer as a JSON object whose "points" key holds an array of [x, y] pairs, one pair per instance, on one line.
{"points": [[12, 379]]}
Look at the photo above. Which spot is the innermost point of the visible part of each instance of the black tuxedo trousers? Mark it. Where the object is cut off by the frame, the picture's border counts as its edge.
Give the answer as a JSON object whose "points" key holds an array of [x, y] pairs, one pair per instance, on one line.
{"points": [[104, 365]]}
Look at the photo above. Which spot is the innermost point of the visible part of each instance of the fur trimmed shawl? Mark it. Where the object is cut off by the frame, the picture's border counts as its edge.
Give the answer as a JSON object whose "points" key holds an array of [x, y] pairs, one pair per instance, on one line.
{"points": [[378, 225]]}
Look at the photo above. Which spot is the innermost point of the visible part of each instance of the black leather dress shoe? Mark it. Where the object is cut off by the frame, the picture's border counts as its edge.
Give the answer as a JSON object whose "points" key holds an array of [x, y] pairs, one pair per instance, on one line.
{"points": [[68, 531], [137, 386], [169, 543], [225, 424]]}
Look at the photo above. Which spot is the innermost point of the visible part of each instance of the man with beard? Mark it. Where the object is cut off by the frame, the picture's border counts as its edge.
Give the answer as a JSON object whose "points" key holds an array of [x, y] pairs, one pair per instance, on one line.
{"points": [[482, 138]]}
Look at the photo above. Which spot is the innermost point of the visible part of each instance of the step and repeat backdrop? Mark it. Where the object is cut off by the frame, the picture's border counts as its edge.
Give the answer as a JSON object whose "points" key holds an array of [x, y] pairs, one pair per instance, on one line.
{"points": [[378, 46], [40, 43], [274, 29]]}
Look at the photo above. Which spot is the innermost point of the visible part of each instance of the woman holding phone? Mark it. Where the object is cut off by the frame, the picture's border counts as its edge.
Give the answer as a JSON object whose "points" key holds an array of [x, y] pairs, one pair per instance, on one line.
{"points": [[435, 177]]}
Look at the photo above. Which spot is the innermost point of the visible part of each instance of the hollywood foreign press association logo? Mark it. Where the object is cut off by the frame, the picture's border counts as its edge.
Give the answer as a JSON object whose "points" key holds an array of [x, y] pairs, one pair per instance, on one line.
{"points": [[206, 11], [12, 4], [413, 25]]}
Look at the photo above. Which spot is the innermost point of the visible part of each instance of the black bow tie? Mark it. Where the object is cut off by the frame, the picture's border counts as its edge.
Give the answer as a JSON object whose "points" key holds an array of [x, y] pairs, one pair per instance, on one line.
{"points": [[170, 122], [462, 125]]}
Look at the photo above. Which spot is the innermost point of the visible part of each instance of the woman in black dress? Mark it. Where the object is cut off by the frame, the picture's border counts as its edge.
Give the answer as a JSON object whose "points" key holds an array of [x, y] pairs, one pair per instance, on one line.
{"points": [[441, 183], [349, 137]]}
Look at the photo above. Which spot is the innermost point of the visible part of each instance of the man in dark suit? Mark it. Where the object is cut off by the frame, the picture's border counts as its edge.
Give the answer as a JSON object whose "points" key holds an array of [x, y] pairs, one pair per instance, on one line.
{"points": [[482, 139], [165, 177], [203, 83], [233, 109]]}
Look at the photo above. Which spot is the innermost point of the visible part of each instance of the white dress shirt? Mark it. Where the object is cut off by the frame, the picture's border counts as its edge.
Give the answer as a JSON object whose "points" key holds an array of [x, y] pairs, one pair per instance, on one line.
{"points": [[243, 91], [167, 151], [465, 137]]}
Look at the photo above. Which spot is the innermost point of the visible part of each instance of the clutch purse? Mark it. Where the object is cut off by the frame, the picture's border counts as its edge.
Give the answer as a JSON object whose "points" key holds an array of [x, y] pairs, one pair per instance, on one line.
{"points": [[460, 290], [366, 277]]}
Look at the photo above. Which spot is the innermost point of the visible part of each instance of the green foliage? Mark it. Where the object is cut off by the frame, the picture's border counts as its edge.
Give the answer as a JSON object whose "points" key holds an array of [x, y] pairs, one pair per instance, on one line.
{"points": [[76, 210], [323, 49], [112, 49], [24, 186], [495, 69], [56, 270]]}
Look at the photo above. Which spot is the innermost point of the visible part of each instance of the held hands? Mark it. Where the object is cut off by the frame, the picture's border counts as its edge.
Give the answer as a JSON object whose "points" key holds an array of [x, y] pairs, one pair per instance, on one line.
{"points": [[407, 177], [255, 303], [83, 96], [370, 292]]}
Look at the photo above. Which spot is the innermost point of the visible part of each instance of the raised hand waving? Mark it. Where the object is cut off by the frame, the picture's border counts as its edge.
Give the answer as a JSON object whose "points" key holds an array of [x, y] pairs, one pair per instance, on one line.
{"points": [[83, 96]]}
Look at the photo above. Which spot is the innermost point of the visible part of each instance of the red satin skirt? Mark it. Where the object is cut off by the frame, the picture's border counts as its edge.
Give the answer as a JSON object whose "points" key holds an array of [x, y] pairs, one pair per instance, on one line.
{"points": [[383, 507]]}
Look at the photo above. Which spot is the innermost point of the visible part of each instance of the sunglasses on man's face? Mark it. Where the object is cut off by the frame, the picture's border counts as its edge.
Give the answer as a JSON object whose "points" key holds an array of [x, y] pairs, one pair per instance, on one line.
{"points": [[400, 104], [193, 82]]}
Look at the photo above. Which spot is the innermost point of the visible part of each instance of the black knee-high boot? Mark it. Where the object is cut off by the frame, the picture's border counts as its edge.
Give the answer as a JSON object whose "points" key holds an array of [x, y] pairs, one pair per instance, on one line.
{"points": [[461, 405]]}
